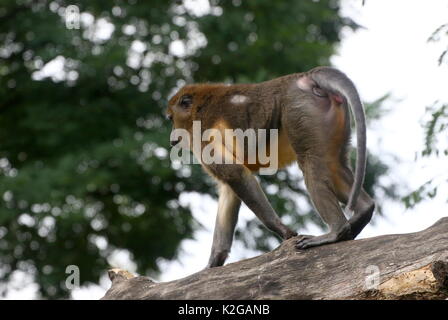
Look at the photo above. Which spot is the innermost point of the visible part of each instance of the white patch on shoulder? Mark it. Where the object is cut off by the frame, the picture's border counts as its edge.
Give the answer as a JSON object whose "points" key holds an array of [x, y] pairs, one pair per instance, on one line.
{"points": [[238, 98]]}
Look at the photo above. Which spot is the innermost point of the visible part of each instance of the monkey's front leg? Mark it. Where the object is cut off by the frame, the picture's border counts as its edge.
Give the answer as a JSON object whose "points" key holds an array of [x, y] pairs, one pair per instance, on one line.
{"points": [[226, 219], [247, 188]]}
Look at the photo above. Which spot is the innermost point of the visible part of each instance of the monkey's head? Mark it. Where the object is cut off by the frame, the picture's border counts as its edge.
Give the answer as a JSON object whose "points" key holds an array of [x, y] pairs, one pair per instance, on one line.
{"points": [[180, 110]]}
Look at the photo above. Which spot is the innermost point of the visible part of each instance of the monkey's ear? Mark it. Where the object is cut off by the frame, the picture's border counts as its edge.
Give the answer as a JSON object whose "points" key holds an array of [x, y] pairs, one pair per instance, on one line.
{"points": [[186, 101]]}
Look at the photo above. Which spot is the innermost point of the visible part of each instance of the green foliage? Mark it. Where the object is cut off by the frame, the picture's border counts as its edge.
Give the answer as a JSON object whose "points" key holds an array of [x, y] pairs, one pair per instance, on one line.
{"points": [[84, 166], [424, 192], [437, 125], [439, 33], [436, 130]]}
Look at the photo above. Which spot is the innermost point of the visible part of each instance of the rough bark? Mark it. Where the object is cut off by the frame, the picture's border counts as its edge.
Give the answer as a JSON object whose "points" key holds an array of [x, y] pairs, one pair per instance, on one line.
{"points": [[411, 266]]}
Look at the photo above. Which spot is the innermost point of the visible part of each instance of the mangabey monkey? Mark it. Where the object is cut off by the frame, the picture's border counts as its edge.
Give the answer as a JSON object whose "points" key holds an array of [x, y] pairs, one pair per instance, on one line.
{"points": [[310, 111]]}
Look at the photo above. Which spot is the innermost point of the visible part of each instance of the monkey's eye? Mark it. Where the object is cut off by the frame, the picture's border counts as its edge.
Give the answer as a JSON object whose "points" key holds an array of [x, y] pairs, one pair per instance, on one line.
{"points": [[186, 101], [169, 117], [319, 92]]}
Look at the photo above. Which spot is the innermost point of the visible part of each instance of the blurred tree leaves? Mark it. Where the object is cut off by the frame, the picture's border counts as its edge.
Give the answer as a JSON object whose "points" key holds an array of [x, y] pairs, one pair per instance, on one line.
{"points": [[440, 32], [436, 133], [84, 158]]}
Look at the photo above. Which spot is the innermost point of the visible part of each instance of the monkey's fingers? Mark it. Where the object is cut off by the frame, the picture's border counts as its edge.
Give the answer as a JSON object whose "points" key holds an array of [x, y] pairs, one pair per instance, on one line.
{"points": [[302, 236], [312, 241], [302, 241]]}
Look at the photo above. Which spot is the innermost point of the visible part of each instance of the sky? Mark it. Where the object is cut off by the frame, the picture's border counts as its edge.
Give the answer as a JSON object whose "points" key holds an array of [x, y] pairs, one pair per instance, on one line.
{"points": [[390, 54]]}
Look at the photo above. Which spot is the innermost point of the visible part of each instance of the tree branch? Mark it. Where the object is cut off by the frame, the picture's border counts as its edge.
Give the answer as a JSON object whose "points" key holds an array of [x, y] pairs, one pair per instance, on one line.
{"points": [[411, 266]]}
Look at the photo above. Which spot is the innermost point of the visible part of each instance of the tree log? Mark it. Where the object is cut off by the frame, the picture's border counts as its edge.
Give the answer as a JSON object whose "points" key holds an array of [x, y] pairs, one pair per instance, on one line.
{"points": [[403, 266]]}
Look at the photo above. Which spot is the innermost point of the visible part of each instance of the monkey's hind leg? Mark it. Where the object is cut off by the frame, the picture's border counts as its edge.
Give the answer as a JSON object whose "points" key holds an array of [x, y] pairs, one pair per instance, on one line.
{"points": [[226, 219], [323, 196], [364, 206]]}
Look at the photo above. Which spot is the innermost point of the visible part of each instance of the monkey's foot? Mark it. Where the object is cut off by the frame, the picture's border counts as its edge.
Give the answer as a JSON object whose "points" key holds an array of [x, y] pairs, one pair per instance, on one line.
{"points": [[307, 241]]}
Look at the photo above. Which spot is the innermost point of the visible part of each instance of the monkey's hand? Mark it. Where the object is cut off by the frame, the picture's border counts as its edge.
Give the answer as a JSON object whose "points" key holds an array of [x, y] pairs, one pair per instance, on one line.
{"points": [[288, 233]]}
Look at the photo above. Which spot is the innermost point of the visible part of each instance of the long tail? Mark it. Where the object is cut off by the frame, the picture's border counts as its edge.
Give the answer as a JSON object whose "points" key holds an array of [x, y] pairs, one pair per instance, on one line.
{"points": [[335, 81]]}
